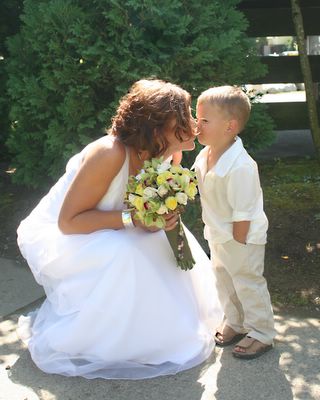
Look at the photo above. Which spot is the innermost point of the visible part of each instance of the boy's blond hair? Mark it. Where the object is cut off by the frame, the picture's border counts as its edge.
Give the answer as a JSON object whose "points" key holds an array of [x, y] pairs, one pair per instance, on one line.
{"points": [[230, 99]]}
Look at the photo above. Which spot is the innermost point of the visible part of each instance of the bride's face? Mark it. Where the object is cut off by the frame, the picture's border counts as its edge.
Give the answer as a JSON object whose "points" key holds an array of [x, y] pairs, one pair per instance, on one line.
{"points": [[178, 140]]}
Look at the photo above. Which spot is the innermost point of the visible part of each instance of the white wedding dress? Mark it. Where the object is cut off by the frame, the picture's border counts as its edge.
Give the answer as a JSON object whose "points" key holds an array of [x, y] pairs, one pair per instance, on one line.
{"points": [[117, 305]]}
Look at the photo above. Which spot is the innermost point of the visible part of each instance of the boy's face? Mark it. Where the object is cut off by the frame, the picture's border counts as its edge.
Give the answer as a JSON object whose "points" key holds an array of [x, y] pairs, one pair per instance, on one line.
{"points": [[212, 124]]}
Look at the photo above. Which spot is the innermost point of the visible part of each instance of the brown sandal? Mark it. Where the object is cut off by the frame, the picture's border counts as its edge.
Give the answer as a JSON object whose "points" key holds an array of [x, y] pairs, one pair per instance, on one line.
{"points": [[227, 331], [248, 343]]}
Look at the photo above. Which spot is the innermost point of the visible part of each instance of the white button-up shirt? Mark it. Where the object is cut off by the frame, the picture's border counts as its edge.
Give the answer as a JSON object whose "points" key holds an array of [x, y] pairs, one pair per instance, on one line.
{"points": [[230, 191]]}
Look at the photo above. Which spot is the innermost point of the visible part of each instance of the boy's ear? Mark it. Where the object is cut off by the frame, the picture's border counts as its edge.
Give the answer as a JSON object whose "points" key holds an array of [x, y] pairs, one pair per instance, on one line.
{"points": [[233, 126]]}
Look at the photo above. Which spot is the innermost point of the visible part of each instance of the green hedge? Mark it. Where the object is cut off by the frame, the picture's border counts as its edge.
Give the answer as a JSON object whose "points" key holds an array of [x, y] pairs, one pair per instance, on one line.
{"points": [[72, 60], [9, 25]]}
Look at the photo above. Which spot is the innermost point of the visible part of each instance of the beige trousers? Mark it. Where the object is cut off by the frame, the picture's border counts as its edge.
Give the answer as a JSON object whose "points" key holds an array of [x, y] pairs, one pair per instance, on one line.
{"points": [[242, 288]]}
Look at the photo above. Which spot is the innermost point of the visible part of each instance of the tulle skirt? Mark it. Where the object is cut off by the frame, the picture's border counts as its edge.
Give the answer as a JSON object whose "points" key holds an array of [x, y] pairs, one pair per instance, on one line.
{"points": [[117, 305]]}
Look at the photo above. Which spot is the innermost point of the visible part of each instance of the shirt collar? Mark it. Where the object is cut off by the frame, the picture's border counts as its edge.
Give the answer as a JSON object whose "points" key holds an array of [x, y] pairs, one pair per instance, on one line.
{"points": [[227, 159], [200, 162]]}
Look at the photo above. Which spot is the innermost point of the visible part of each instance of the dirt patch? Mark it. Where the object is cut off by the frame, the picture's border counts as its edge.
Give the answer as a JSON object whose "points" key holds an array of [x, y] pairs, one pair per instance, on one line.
{"points": [[16, 202], [293, 259], [292, 193]]}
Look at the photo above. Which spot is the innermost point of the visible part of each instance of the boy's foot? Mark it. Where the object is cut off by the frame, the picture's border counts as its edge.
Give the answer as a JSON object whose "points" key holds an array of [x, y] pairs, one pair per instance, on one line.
{"points": [[227, 336], [249, 348]]}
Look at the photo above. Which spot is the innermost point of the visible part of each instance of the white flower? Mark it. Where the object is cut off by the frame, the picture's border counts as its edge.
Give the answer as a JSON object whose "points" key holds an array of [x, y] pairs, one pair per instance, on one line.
{"points": [[162, 209], [149, 192], [162, 190], [182, 198], [185, 179], [174, 184], [163, 167], [131, 198], [139, 176]]}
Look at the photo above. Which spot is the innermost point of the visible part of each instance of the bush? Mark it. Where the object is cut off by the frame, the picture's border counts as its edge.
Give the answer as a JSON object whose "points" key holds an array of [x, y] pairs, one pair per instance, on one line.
{"points": [[4, 110], [259, 131], [66, 74], [9, 25]]}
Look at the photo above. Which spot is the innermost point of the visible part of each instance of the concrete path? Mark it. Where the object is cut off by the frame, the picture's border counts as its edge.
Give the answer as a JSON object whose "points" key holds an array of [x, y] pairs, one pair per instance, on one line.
{"points": [[17, 287], [293, 143], [290, 371]]}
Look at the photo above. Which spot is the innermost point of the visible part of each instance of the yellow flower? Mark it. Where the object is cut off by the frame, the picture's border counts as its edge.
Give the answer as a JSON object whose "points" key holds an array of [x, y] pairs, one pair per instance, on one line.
{"points": [[139, 189], [191, 190], [138, 203], [176, 169], [171, 202], [162, 178]]}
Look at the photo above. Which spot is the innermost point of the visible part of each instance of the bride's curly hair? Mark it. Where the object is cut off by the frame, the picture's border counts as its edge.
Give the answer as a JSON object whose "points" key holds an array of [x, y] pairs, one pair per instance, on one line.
{"points": [[146, 110]]}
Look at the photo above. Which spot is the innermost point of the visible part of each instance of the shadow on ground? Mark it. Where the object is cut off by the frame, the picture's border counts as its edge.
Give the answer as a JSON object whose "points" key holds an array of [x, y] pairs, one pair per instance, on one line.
{"points": [[289, 372]]}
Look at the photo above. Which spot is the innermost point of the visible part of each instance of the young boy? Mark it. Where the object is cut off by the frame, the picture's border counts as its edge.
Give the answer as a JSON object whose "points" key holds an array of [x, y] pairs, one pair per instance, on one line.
{"points": [[235, 223]]}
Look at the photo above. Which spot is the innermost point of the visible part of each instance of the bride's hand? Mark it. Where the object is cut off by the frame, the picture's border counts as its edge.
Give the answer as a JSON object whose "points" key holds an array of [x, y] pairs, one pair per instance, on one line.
{"points": [[171, 220], [139, 224]]}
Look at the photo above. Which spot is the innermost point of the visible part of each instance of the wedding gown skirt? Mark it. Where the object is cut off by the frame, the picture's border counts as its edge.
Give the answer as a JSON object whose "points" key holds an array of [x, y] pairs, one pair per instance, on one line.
{"points": [[117, 305]]}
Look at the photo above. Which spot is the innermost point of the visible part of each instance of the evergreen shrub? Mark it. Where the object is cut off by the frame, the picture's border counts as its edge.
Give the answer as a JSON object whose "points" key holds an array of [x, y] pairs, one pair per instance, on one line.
{"points": [[72, 60], [9, 25]]}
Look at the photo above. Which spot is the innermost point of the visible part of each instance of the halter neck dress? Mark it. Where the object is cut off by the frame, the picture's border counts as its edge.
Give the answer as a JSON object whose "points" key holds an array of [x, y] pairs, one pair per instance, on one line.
{"points": [[117, 306]]}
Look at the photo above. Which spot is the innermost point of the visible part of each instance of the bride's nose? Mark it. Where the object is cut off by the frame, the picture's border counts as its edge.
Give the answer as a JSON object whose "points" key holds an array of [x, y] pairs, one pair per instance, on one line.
{"points": [[194, 126]]}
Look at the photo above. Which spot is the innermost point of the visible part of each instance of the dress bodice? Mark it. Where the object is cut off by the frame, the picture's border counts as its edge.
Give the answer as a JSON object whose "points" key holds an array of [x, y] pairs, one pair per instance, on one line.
{"points": [[114, 197], [50, 205]]}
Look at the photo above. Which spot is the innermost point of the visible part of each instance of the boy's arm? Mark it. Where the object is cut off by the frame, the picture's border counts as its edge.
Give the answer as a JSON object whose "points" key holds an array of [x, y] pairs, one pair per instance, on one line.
{"points": [[243, 191], [240, 231]]}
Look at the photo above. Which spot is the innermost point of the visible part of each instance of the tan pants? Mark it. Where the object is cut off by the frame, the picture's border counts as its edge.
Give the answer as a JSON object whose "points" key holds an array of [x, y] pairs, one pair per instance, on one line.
{"points": [[242, 288]]}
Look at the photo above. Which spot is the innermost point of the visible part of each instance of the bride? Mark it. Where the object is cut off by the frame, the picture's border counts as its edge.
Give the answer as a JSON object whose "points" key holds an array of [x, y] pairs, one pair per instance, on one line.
{"points": [[117, 306]]}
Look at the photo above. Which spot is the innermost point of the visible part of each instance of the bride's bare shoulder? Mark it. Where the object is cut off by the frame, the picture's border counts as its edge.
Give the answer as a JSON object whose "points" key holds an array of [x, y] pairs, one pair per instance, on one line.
{"points": [[107, 150]]}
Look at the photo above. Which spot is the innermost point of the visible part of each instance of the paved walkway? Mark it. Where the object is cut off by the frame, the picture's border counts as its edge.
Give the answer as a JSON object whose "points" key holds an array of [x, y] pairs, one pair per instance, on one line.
{"points": [[296, 143], [290, 371]]}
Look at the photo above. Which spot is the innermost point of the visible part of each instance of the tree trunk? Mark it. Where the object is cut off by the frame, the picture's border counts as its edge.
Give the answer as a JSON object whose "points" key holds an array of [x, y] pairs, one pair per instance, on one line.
{"points": [[307, 76]]}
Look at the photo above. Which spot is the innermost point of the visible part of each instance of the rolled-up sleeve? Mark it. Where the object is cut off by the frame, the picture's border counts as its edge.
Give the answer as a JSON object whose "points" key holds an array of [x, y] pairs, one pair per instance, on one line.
{"points": [[243, 191]]}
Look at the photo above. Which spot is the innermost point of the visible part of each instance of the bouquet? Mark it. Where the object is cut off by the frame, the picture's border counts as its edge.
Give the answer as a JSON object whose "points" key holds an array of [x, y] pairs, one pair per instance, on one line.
{"points": [[158, 189]]}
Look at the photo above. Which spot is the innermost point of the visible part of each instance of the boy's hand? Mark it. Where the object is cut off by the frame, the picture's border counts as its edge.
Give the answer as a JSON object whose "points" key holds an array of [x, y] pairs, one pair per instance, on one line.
{"points": [[240, 231]]}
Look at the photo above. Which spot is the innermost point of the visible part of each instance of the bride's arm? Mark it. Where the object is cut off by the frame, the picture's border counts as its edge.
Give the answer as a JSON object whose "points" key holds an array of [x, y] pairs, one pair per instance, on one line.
{"points": [[78, 213]]}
